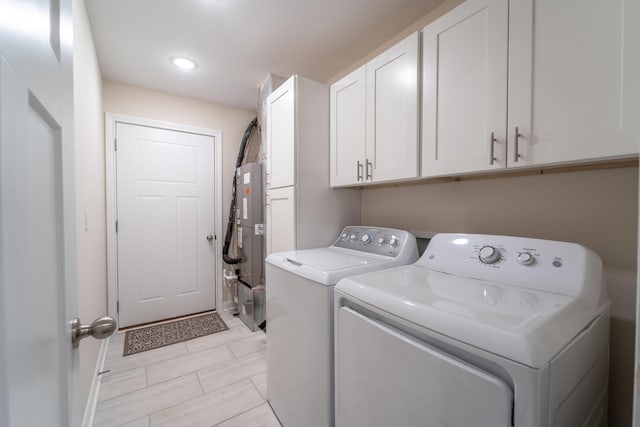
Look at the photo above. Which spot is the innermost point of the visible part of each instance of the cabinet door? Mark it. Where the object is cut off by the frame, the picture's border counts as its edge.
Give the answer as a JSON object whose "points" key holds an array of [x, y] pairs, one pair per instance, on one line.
{"points": [[392, 113], [281, 136], [465, 89], [281, 220], [348, 121], [573, 83]]}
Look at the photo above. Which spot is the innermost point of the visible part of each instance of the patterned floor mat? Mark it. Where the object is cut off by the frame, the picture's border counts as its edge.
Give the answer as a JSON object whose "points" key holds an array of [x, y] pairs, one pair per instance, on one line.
{"points": [[154, 336]]}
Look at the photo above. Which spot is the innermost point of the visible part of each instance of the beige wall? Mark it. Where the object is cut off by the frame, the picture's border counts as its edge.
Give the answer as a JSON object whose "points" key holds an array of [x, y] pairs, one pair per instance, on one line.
{"points": [[149, 104], [597, 208], [418, 25], [90, 191]]}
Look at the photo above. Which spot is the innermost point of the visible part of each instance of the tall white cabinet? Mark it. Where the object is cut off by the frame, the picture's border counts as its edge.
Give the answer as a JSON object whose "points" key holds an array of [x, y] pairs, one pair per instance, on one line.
{"points": [[302, 210], [374, 118], [518, 83]]}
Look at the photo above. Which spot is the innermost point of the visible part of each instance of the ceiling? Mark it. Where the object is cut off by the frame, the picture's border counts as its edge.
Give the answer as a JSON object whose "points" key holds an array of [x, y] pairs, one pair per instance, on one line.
{"points": [[236, 43]]}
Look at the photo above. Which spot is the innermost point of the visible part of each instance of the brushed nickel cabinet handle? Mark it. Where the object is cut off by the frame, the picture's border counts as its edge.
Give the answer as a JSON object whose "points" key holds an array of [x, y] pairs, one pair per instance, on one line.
{"points": [[493, 140], [517, 138], [369, 169], [359, 171]]}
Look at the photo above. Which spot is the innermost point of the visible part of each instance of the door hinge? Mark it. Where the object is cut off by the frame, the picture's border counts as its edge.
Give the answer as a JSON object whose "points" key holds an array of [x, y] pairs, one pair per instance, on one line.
{"points": [[117, 306], [115, 144], [116, 226]]}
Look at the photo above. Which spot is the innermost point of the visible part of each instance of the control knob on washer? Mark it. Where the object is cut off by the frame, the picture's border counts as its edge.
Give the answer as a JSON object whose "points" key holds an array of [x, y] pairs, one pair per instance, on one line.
{"points": [[489, 255], [381, 241], [393, 241], [366, 239]]}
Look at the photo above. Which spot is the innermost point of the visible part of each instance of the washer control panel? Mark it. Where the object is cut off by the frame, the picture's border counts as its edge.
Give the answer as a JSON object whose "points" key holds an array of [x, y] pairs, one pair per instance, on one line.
{"points": [[553, 266], [376, 240]]}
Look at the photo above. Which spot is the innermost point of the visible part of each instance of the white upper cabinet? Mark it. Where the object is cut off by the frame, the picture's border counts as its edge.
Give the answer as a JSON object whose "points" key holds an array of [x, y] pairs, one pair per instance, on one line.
{"points": [[530, 83], [465, 89], [374, 119], [348, 123], [574, 91], [281, 142], [392, 112]]}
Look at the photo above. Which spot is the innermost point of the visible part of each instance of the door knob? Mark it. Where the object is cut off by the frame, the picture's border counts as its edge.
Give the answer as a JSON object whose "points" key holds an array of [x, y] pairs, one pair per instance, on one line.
{"points": [[210, 237], [101, 328]]}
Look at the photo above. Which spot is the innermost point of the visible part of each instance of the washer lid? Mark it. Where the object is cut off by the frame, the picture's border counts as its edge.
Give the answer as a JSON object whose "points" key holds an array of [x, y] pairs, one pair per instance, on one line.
{"points": [[328, 265], [526, 326]]}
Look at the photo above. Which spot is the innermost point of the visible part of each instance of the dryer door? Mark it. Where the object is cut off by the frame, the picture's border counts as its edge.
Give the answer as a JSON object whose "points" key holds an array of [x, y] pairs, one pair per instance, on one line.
{"points": [[387, 378]]}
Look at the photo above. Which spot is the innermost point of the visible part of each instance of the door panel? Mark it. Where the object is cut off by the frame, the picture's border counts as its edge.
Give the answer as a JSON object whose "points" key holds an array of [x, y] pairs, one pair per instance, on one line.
{"points": [[281, 220], [348, 124], [385, 377], [187, 244], [392, 112], [38, 367], [165, 204], [573, 87], [281, 135], [465, 89]]}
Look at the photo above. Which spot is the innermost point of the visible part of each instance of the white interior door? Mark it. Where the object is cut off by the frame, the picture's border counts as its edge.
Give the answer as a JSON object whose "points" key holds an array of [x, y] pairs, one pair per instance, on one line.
{"points": [[165, 216], [37, 229]]}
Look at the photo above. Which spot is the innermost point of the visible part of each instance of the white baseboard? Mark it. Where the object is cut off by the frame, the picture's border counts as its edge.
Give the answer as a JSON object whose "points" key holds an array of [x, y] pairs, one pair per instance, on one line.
{"points": [[92, 401]]}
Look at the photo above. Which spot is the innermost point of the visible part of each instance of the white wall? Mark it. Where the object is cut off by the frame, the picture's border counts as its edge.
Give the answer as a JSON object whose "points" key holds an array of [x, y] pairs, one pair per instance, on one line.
{"points": [[597, 208], [134, 101], [90, 190]]}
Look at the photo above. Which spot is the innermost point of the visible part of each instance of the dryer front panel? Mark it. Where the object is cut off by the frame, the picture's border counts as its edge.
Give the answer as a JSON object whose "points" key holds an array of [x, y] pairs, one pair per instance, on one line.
{"points": [[385, 377]]}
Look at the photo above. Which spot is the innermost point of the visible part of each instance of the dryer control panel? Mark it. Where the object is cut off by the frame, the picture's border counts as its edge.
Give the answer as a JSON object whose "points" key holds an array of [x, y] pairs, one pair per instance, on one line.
{"points": [[559, 267], [377, 240]]}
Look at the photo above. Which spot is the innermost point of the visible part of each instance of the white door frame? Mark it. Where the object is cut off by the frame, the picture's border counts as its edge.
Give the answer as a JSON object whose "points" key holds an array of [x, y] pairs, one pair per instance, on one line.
{"points": [[111, 120]]}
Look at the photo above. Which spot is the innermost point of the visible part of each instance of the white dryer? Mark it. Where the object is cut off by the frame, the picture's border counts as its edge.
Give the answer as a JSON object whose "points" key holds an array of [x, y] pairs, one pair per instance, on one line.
{"points": [[299, 301], [482, 331]]}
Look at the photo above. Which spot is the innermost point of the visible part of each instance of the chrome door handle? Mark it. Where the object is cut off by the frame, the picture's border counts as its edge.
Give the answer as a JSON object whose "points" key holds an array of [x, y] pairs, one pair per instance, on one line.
{"points": [[369, 174], [359, 171], [210, 237], [101, 328]]}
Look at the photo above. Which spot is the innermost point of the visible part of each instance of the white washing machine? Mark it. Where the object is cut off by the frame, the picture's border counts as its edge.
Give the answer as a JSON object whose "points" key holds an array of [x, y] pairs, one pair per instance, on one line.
{"points": [[482, 331], [299, 296]]}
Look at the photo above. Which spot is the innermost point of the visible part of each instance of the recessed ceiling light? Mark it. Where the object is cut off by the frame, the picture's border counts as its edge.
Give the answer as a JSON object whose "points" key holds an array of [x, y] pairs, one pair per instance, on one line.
{"points": [[184, 63]]}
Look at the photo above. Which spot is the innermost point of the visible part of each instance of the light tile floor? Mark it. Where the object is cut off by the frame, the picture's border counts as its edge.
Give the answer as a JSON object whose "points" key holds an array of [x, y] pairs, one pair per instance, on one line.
{"points": [[216, 380]]}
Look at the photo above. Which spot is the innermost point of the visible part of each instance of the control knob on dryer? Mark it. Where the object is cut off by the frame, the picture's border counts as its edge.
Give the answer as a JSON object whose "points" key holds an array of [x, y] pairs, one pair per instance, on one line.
{"points": [[525, 258], [394, 241], [366, 239], [489, 255]]}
